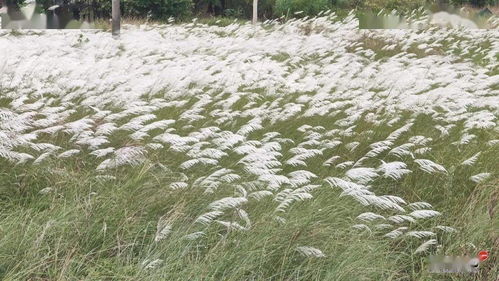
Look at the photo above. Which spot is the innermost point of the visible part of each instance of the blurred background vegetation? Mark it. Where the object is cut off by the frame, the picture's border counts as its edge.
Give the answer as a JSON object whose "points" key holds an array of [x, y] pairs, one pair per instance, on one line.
{"points": [[242, 9]]}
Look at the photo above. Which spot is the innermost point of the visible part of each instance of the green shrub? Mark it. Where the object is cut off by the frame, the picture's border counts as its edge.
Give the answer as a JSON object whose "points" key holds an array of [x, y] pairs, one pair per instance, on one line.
{"points": [[303, 7], [477, 3], [377, 5], [157, 9], [244, 8], [233, 13]]}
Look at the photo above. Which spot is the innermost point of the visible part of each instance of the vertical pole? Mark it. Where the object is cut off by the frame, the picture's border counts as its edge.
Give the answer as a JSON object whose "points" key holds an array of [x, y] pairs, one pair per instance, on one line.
{"points": [[116, 14], [4, 8], [255, 11]]}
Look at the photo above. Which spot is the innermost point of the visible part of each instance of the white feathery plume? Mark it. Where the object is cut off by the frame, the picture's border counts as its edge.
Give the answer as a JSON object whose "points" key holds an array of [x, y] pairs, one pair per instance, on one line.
{"points": [[397, 133], [129, 155], [401, 218], [394, 170], [424, 214], [148, 264], [425, 246], [343, 184], [300, 177], [310, 252], [420, 234], [478, 178], [69, 153], [422, 150], [227, 203], [178, 185], [289, 196], [43, 156], [429, 166], [396, 232], [102, 152], [361, 226], [369, 216], [154, 146], [377, 150], [259, 195], [471, 161], [352, 146], [362, 175], [209, 217], [344, 165], [465, 139], [137, 122], [232, 225], [194, 236], [163, 229], [331, 161], [445, 228], [402, 150], [191, 163], [420, 140], [419, 205], [382, 226]]}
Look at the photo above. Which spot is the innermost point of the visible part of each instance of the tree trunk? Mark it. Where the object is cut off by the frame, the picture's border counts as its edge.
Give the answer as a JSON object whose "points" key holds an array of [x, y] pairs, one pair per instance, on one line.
{"points": [[116, 15], [255, 11]]}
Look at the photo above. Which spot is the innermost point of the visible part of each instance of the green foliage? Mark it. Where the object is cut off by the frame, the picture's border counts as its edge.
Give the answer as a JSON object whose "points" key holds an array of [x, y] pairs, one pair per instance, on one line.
{"points": [[266, 8], [302, 7], [393, 4], [235, 8], [158, 9], [155, 9], [477, 3], [242, 9]]}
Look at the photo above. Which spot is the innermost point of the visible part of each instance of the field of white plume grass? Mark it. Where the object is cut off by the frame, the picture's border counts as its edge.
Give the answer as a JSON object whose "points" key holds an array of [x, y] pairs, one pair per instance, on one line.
{"points": [[305, 150]]}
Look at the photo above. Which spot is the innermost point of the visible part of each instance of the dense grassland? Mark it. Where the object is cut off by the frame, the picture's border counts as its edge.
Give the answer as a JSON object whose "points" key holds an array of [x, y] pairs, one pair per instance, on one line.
{"points": [[309, 150]]}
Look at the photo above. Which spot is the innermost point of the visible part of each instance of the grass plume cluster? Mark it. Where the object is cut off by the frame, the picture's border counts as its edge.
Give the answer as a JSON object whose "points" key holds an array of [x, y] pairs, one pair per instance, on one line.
{"points": [[308, 150]]}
